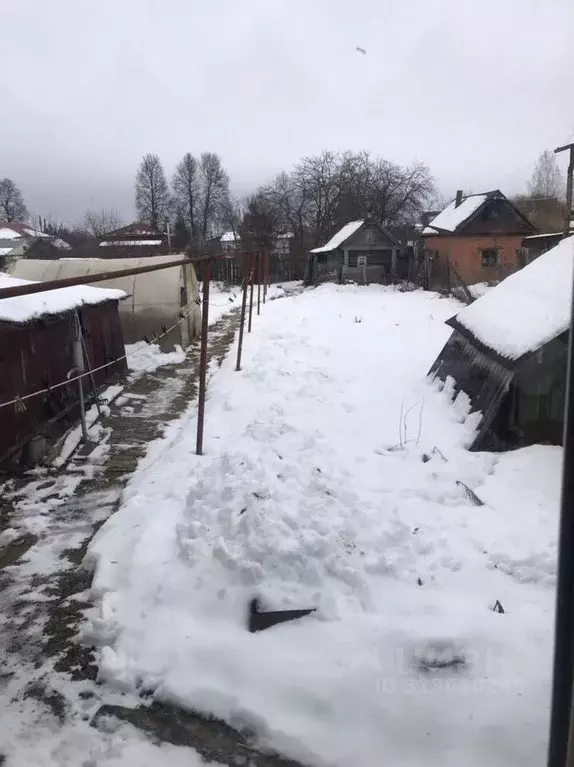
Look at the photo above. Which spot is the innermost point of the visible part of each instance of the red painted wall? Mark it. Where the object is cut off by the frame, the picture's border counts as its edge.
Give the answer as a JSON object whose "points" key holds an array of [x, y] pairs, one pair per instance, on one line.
{"points": [[465, 254]]}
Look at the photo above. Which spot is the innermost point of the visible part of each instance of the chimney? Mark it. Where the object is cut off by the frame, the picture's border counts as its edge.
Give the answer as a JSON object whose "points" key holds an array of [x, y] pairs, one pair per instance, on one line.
{"points": [[458, 198]]}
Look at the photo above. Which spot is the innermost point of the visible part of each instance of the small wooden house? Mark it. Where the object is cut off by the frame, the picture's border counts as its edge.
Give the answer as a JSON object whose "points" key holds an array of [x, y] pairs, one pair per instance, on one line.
{"points": [[479, 236], [134, 237], [37, 339], [363, 251], [508, 353]]}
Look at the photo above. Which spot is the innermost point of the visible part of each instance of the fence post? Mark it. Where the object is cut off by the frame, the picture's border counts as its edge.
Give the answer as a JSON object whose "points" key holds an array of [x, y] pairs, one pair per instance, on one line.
{"points": [[242, 318], [251, 278], [203, 357], [259, 277], [265, 273]]}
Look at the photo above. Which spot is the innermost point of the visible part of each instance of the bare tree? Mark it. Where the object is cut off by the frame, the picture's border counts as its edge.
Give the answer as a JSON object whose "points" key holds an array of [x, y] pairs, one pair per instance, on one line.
{"points": [[214, 198], [546, 180], [152, 194], [102, 221], [12, 206], [186, 187]]}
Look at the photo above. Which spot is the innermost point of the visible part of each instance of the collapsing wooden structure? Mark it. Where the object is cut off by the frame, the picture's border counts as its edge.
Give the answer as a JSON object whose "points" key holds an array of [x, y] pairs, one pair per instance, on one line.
{"points": [[508, 353], [38, 353]]}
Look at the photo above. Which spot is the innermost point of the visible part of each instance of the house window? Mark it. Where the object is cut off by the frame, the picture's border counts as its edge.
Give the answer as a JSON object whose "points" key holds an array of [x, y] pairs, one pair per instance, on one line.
{"points": [[488, 257], [361, 260]]}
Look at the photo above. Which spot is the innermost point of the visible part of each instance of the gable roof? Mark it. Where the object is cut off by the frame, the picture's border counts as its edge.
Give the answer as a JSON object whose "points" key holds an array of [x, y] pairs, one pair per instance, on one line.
{"points": [[453, 218], [528, 309], [13, 231], [347, 231], [135, 229], [21, 309]]}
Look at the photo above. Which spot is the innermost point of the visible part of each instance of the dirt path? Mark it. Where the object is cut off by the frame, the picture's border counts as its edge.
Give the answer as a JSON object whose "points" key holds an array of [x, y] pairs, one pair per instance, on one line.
{"points": [[46, 523]]}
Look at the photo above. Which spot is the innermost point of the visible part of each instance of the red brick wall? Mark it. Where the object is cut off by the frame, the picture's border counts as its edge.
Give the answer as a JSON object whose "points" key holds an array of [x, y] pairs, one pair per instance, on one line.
{"points": [[464, 254]]}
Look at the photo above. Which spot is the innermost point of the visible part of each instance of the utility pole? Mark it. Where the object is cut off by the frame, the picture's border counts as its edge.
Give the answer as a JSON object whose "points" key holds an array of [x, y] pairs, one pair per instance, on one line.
{"points": [[568, 218]]}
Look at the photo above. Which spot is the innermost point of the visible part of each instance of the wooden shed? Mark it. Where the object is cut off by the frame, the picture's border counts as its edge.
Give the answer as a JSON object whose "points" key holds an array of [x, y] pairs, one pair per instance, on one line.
{"points": [[508, 353], [363, 251], [37, 334]]}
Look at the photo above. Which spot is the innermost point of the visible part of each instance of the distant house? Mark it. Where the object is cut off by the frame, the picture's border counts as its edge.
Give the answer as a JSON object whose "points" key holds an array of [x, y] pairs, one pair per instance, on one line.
{"points": [[136, 235], [508, 353], [363, 251], [282, 245], [477, 235], [18, 239], [229, 242], [37, 335]]}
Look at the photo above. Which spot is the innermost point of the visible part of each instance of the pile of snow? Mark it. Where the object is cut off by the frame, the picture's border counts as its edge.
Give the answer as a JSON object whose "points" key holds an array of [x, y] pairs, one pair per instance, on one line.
{"points": [[25, 308], [528, 308], [452, 216], [335, 477], [339, 238], [143, 357]]}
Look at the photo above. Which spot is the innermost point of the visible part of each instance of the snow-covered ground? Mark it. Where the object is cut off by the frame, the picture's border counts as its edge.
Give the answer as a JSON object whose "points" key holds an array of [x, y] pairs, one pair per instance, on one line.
{"points": [[332, 479]]}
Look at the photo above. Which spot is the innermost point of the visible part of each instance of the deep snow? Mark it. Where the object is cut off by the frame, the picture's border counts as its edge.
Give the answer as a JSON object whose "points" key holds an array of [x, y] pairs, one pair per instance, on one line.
{"points": [[325, 484]]}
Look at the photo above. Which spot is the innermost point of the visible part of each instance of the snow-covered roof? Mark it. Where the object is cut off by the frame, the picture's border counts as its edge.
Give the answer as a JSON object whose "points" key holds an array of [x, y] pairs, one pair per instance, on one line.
{"points": [[544, 234], [229, 237], [286, 236], [429, 230], [5, 250], [339, 238], [15, 231], [22, 309], [452, 216], [527, 309], [127, 243]]}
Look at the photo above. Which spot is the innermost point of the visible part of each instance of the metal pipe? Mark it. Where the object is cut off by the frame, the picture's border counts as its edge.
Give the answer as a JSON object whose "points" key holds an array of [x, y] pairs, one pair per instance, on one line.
{"points": [[242, 318], [92, 377], [258, 282], [203, 358], [560, 744], [251, 277], [79, 364]]}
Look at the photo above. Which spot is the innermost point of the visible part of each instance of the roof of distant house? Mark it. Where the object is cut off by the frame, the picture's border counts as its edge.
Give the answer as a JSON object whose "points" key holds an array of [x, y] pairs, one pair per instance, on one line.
{"points": [[229, 237], [454, 216], [136, 230], [285, 236], [339, 238], [13, 231], [527, 309], [21, 309]]}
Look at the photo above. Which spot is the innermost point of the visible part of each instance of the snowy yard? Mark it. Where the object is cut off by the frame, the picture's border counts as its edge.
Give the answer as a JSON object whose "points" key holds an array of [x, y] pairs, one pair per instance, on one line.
{"points": [[331, 480]]}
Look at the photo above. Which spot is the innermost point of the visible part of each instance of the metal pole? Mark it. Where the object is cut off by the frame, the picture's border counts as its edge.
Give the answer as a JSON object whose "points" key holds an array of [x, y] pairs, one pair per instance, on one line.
{"points": [[242, 319], [569, 193], [259, 282], [79, 363], [266, 277], [92, 377], [251, 277], [203, 358], [560, 743]]}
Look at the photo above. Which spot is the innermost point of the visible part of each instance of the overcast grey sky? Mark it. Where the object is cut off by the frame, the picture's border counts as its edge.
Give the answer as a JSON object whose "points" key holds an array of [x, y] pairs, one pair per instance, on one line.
{"points": [[474, 88]]}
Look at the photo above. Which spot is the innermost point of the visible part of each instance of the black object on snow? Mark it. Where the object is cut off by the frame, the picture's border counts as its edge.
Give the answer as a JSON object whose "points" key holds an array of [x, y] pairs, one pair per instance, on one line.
{"points": [[259, 621], [498, 608]]}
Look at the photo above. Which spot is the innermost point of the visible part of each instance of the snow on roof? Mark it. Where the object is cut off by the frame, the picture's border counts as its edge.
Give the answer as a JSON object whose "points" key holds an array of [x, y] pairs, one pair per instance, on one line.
{"points": [[544, 234], [15, 231], [527, 309], [9, 234], [286, 236], [339, 238], [5, 250], [229, 237], [127, 243], [22, 309], [429, 230], [452, 217]]}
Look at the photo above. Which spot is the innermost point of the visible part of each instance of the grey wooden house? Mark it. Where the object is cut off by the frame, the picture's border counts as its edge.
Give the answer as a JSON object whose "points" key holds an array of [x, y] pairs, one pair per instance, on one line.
{"points": [[508, 353], [363, 251]]}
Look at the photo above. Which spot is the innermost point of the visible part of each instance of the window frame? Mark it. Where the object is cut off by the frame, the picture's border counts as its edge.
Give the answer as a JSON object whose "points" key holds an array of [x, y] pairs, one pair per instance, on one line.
{"points": [[485, 260]]}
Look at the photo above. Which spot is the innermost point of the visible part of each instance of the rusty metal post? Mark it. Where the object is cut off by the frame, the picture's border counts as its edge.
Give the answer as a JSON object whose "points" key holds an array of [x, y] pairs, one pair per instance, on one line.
{"points": [[265, 273], [259, 282], [243, 307], [251, 277], [203, 357]]}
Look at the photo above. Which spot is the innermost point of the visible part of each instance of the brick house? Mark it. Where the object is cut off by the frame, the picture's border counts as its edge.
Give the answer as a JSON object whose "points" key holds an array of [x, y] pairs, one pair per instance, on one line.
{"points": [[479, 235]]}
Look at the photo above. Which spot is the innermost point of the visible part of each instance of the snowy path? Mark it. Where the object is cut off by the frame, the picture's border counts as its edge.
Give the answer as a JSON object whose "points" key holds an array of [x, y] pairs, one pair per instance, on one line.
{"points": [[311, 493]]}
